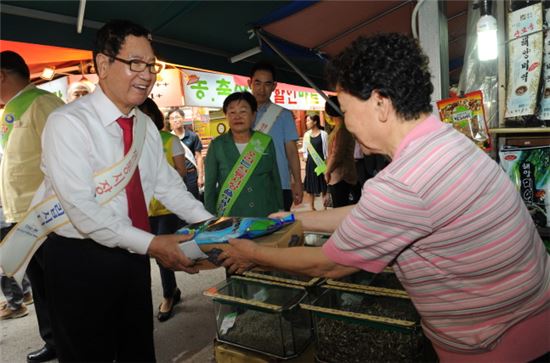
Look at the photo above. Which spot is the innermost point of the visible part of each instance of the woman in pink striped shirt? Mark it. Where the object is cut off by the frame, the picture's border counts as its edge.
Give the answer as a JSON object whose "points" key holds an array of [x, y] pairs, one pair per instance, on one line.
{"points": [[442, 213]]}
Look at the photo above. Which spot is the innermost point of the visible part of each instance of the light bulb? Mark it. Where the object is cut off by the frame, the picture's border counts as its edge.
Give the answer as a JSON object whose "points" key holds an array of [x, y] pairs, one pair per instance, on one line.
{"points": [[487, 38]]}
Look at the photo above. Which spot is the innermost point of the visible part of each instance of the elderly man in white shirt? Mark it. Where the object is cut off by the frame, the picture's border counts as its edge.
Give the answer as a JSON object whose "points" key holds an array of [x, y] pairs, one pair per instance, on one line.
{"points": [[98, 269]]}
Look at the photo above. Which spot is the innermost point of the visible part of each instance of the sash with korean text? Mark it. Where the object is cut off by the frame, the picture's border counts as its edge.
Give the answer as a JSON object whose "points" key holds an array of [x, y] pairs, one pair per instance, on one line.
{"points": [[241, 172], [20, 244], [265, 123], [320, 165]]}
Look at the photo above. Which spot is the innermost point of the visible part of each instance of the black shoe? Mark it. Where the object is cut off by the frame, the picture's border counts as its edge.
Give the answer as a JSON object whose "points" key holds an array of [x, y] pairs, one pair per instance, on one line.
{"points": [[43, 354], [176, 298]]}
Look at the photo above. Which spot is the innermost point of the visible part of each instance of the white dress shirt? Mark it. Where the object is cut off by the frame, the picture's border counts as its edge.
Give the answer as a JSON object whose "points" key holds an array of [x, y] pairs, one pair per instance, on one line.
{"points": [[82, 138]]}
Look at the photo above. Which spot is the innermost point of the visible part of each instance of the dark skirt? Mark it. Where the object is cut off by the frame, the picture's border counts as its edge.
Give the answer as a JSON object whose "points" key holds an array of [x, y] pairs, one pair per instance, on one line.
{"points": [[314, 184]]}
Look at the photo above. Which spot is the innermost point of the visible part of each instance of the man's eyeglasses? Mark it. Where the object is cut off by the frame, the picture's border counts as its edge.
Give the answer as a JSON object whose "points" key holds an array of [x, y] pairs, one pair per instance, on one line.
{"points": [[137, 65]]}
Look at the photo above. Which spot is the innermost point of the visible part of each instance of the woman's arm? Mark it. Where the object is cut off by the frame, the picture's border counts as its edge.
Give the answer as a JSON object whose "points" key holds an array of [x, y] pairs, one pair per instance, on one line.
{"points": [[179, 164], [323, 221], [311, 261]]}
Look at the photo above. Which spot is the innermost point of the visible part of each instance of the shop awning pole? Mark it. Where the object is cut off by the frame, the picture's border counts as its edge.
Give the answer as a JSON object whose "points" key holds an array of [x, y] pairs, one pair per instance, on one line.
{"points": [[80, 20], [298, 71]]}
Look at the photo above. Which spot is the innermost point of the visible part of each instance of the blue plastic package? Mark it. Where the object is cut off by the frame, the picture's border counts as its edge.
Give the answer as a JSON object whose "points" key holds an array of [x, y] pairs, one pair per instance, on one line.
{"points": [[221, 229]]}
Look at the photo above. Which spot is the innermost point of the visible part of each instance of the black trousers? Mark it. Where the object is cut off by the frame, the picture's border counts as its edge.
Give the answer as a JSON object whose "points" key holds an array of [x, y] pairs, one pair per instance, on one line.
{"points": [[341, 193], [99, 301], [37, 276], [191, 182], [166, 224], [287, 199]]}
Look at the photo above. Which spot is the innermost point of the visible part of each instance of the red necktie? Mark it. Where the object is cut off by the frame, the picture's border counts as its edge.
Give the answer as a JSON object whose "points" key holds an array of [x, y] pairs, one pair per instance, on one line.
{"points": [[137, 209]]}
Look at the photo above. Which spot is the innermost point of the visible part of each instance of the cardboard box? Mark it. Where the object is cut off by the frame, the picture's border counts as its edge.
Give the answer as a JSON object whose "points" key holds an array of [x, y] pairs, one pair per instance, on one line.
{"points": [[288, 236]]}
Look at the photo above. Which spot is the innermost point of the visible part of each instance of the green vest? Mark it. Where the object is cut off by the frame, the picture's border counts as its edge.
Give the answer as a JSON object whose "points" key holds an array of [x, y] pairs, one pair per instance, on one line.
{"points": [[15, 108], [156, 208]]}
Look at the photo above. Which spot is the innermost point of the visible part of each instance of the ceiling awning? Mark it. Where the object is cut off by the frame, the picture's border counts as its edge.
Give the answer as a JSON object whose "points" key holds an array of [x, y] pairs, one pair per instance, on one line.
{"points": [[38, 56], [206, 34]]}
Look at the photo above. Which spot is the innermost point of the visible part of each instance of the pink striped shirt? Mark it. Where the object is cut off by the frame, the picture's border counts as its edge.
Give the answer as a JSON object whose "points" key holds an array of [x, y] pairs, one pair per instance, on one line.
{"points": [[463, 242]]}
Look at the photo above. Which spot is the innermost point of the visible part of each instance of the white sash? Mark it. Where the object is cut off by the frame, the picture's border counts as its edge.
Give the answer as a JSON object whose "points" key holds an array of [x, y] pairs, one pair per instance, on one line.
{"points": [[17, 248], [267, 120]]}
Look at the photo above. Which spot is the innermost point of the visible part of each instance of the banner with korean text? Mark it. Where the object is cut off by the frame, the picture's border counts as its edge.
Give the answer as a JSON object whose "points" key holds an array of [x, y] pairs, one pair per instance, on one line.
{"points": [[210, 90]]}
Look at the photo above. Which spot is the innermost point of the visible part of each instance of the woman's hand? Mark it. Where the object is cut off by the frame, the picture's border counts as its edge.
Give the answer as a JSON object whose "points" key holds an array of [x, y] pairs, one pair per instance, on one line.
{"points": [[238, 257], [279, 215]]}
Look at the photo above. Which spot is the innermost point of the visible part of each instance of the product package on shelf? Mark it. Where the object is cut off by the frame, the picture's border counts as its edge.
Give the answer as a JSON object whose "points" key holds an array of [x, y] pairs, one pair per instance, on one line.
{"points": [[467, 115], [529, 169], [544, 106], [210, 237], [525, 60], [357, 325], [262, 316]]}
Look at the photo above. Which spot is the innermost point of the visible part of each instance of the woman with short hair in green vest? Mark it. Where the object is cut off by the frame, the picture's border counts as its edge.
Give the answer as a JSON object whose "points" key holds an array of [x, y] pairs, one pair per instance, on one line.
{"points": [[162, 220], [242, 178]]}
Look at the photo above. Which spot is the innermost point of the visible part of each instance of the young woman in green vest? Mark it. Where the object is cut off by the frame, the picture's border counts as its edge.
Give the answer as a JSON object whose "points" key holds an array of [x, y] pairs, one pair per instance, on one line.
{"points": [[241, 174]]}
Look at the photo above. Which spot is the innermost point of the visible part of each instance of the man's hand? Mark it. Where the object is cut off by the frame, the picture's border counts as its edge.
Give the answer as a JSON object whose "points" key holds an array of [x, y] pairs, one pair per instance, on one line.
{"points": [[238, 257], [297, 192], [165, 248]]}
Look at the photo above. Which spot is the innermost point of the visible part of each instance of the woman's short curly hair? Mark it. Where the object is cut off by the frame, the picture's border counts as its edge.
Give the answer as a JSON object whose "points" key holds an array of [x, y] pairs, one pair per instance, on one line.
{"points": [[392, 64]]}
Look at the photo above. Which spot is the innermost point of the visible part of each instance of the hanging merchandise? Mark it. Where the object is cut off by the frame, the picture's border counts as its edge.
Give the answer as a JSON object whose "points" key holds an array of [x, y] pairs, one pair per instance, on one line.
{"points": [[529, 169], [467, 115], [477, 74], [525, 51], [544, 106]]}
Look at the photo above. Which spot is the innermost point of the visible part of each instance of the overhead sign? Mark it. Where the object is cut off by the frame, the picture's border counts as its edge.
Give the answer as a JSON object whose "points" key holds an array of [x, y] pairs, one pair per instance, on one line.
{"points": [[210, 90], [167, 89]]}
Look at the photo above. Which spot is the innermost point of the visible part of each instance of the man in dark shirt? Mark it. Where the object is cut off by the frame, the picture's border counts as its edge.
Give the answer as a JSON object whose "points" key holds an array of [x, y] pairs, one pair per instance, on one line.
{"points": [[194, 179], [195, 175]]}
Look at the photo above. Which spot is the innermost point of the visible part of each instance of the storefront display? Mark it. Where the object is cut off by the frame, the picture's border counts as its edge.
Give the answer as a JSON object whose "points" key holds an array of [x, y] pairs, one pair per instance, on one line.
{"points": [[529, 170], [525, 54]]}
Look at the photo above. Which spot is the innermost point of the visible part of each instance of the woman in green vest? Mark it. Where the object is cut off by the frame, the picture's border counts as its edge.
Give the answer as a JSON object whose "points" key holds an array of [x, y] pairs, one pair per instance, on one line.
{"points": [[242, 178], [162, 220]]}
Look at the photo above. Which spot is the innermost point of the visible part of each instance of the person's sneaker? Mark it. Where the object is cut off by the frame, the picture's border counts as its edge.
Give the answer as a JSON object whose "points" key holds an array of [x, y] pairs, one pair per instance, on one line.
{"points": [[3, 304], [27, 298], [8, 313]]}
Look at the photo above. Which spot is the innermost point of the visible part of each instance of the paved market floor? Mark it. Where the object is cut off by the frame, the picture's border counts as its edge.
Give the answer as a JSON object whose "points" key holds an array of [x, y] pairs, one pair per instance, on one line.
{"points": [[186, 338]]}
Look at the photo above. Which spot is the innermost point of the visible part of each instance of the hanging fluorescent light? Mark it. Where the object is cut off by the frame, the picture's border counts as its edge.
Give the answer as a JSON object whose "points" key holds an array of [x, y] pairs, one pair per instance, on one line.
{"points": [[246, 54], [486, 34]]}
